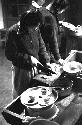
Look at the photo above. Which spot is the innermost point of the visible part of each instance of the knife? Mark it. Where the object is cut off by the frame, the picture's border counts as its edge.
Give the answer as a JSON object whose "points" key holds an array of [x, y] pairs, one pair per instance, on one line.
{"points": [[40, 66]]}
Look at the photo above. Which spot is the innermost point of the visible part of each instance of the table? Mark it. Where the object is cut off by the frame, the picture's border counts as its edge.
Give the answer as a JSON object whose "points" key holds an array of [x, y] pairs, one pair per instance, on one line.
{"points": [[70, 111], [70, 107]]}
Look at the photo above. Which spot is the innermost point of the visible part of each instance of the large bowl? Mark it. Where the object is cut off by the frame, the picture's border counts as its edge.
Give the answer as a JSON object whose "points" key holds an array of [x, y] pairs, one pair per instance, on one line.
{"points": [[38, 97], [72, 67], [39, 101], [63, 86]]}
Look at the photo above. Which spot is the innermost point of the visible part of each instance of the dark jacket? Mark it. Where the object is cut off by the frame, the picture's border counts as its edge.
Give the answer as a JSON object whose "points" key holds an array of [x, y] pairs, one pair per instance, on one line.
{"points": [[24, 41], [49, 32], [19, 48], [18, 45]]}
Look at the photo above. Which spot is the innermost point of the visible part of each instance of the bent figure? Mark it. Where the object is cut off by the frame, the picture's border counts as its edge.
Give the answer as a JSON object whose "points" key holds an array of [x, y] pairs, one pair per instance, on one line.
{"points": [[24, 41]]}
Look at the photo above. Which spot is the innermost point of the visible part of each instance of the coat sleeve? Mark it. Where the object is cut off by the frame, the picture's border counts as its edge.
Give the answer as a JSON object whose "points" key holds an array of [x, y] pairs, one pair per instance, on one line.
{"points": [[11, 52], [54, 45], [43, 55]]}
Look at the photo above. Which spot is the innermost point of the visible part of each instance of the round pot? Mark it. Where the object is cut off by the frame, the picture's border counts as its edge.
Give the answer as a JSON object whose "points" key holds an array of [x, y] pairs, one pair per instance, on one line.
{"points": [[39, 101], [38, 97], [48, 112], [63, 86]]}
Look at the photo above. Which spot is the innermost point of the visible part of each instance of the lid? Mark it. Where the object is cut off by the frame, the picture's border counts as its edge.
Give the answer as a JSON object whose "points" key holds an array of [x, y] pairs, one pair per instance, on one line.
{"points": [[38, 97]]}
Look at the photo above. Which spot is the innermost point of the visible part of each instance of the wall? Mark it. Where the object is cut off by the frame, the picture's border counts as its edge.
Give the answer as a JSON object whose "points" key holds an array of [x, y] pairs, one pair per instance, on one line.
{"points": [[1, 17], [12, 9], [75, 12]]}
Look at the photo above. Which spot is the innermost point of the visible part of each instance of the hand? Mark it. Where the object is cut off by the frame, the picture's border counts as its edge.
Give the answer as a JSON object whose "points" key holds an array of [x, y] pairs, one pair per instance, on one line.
{"points": [[61, 61], [50, 66], [34, 61]]}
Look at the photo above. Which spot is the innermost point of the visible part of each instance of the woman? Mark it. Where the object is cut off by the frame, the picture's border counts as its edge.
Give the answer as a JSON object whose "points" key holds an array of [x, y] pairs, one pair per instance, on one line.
{"points": [[24, 47]]}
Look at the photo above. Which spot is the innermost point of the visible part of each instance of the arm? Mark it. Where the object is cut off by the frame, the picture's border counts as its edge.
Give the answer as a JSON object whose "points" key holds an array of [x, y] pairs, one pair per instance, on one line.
{"points": [[43, 55], [55, 47]]}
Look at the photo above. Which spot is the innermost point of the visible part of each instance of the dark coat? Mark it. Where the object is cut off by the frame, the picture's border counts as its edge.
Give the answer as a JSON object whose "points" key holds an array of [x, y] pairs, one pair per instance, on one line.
{"points": [[19, 48], [18, 45], [49, 32]]}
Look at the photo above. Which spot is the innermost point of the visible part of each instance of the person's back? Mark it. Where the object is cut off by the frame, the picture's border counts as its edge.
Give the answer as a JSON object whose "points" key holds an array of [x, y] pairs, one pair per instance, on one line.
{"points": [[50, 28], [49, 31]]}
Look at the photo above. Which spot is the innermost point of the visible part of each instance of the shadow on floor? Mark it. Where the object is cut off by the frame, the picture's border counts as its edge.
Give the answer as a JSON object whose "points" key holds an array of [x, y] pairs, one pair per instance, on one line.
{"points": [[5, 83]]}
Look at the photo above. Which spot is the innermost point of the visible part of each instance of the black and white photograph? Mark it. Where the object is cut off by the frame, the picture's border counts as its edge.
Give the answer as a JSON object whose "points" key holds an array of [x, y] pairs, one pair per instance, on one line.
{"points": [[40, 62]]}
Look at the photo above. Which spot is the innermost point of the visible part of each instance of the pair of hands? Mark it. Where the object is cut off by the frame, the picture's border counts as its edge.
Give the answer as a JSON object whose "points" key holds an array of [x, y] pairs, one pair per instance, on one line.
{"points": [[34, 61], [56, 67], [60, 62], [50, 66]]}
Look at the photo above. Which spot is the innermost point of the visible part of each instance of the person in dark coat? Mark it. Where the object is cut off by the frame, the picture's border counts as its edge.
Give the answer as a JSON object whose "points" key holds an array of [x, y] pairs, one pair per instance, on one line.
{"points": [[49, 29], [24, 47]]}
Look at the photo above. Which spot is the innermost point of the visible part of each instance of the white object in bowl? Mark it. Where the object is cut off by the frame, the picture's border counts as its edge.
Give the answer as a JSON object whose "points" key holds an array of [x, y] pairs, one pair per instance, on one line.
{"points": [[72, 67]]}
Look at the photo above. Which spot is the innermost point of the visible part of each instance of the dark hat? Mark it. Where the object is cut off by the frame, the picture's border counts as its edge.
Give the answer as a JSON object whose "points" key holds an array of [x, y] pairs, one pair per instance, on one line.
{"points": [[29, 19]]}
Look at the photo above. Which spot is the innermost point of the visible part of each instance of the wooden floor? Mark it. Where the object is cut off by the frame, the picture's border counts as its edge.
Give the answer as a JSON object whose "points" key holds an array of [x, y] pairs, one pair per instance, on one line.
{"points": [[5, 84]]}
